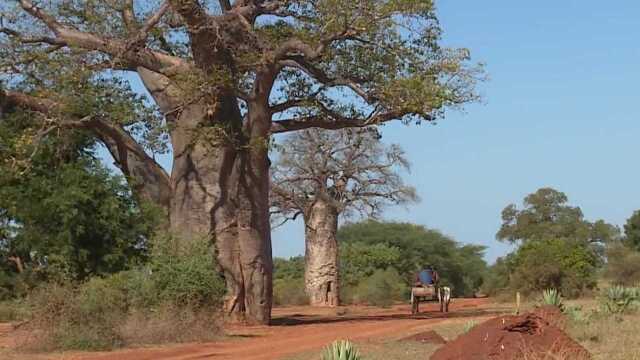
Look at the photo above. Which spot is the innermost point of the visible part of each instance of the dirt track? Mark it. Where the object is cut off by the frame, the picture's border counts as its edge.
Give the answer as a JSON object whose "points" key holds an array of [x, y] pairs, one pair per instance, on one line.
{"points": [[301, 329]]}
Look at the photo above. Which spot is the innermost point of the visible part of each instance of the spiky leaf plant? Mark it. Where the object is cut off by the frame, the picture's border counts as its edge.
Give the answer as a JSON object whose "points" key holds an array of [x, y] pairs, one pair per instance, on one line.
{"points": [[617, 299], [341, 350], [552, 297]]}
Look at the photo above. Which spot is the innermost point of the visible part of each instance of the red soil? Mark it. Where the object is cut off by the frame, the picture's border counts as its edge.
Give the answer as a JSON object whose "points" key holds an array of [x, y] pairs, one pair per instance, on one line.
{"points": [[531, 335], [296, 330]]}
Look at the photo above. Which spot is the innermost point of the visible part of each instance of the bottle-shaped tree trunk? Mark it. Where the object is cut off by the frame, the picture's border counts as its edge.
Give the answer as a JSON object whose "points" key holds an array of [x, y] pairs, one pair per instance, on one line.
{"points": [[321, 254]]}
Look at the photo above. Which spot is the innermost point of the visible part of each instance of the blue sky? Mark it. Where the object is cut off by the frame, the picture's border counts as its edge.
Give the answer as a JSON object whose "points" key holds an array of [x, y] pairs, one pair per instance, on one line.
{"points": [[560, 109]]}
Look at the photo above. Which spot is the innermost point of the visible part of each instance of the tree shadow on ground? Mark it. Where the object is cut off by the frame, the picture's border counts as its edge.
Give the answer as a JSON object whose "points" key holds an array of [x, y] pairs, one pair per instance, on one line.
{"points": [[305, 319]]}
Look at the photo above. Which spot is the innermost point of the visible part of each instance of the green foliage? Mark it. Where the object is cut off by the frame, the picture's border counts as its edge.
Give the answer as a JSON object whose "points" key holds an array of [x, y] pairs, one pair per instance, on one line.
{"points": [[552, 297], [556, 263], [546, 215], [497, 276], [341, 350], [558, 247], [289, 291], [62, 213], [359, 260], [108, 312], [288, 281], [291, 268], [185, 274], [632, 231], [408, 248], [619, 299], [382, 288]]}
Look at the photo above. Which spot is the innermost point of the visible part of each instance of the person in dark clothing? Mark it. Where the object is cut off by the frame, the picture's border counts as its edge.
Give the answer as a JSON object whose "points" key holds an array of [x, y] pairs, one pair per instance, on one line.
{"points": [[427, 276]]}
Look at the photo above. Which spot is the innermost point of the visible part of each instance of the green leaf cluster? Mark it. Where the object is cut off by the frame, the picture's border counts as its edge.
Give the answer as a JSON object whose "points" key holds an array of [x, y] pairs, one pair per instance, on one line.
{"points": [[408, 248]]}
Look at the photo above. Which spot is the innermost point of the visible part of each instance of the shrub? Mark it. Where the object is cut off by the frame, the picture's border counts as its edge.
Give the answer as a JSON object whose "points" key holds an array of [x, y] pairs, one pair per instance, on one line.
{"points": [[563, 264], [185, 274], [341, 350], [13, 310], [382, 288], [170, 323], [289, 292], [174, 299], [623, 265], [85, 317]]}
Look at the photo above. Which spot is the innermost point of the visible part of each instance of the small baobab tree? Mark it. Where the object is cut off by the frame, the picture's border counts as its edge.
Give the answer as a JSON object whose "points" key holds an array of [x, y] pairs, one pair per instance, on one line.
{"points": [[322, 176]]}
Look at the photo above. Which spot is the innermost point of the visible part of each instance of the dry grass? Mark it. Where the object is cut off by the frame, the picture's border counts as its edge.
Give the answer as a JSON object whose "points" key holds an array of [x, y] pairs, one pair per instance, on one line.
{"points": [[610, 338], [170, 324]]}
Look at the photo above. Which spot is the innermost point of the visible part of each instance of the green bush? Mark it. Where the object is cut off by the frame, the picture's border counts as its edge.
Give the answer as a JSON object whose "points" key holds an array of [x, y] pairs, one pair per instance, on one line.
{"points": [[185, 274], [382, 288], [289, 292], [563, 264], [372, 245]]}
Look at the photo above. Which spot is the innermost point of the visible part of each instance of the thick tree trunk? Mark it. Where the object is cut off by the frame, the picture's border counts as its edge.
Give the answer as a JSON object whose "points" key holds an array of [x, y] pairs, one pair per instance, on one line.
{"points": [[321, 255], [220, 191]]}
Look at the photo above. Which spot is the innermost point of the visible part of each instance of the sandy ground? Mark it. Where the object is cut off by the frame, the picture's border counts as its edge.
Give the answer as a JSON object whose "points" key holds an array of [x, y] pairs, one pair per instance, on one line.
{"points": [[295, 330]]}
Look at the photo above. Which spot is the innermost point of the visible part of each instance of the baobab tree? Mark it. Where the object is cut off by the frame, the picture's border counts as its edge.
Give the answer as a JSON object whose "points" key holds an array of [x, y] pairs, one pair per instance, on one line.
{"points": [[222, 78], [322, 175]]}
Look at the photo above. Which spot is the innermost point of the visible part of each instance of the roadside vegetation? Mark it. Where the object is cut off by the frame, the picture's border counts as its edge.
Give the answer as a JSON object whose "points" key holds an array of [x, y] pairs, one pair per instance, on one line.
{"points": [[378, 261]]}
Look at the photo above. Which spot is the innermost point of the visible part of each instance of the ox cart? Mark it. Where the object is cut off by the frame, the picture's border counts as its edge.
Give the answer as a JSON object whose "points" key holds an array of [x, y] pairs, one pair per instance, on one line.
{"points": [[430, 293]]}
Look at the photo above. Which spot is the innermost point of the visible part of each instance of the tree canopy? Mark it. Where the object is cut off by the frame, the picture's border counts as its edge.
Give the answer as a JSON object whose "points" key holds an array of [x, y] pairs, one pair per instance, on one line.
{"points": [[63, 211], [547, 215], [409, 248], [558, 248], [632, 230]]}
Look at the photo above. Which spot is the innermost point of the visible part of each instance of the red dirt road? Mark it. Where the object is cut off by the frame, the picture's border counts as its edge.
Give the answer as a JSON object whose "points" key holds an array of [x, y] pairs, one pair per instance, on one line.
{"points": [[302, 329]]}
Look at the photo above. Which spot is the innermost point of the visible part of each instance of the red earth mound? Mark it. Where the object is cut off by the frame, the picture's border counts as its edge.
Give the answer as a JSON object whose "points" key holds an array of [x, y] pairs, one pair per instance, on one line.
{"points": [[430, 337], [532, 335]]}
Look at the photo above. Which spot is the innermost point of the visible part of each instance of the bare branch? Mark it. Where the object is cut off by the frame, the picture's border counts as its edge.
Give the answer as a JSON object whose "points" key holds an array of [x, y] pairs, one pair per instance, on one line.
{"points": [[331, 121], [346, 170]]}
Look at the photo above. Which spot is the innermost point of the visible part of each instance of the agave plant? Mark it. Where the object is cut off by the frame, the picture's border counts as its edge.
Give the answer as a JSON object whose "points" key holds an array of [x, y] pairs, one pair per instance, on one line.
{"points": [[617, 299], [341, 350], [552, 297]]}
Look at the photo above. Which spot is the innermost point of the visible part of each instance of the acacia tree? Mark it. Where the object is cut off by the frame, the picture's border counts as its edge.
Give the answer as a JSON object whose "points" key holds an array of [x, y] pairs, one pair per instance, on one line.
{"points": [[223, 76], [322, 175]]}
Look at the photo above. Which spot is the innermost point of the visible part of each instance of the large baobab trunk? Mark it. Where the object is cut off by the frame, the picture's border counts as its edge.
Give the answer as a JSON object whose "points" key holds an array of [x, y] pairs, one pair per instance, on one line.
{"points": [[220, 191], [321, 254]]}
